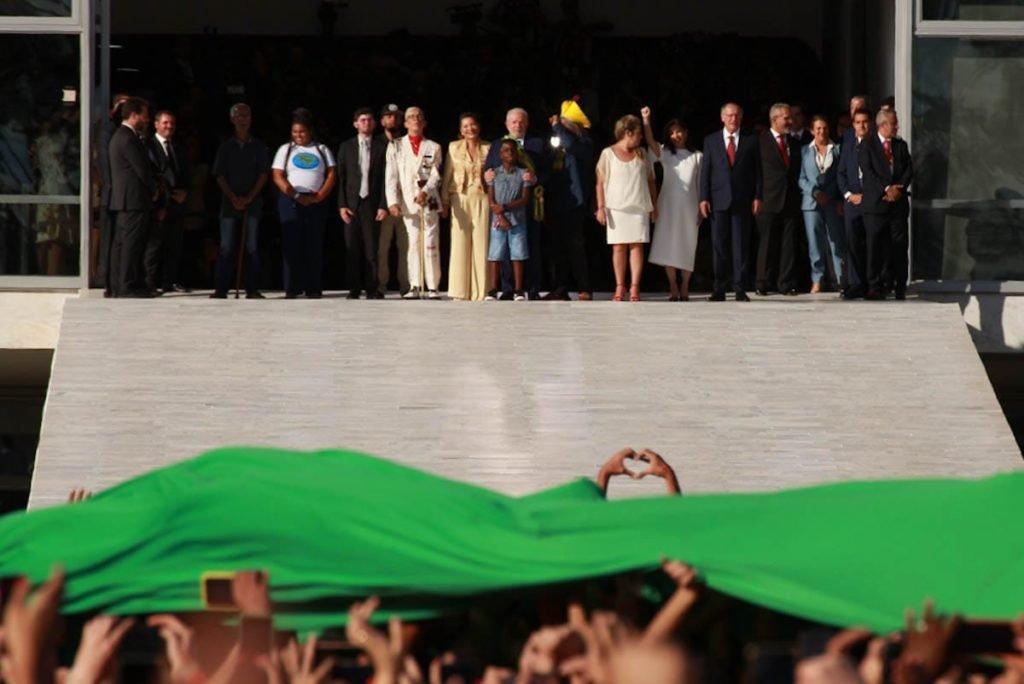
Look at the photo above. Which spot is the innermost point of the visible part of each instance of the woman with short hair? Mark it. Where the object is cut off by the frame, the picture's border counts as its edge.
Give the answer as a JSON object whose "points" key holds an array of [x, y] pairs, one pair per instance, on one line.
{"points": [[305, 173]]}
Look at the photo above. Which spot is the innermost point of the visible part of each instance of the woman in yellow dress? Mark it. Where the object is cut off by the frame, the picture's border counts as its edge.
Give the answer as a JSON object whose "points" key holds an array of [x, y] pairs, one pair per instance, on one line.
{"points": [[464, 195]]}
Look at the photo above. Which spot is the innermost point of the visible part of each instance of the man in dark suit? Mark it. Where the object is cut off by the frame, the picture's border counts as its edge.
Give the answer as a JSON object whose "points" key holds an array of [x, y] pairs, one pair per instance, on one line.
{"points": [[174, 175], [730, 193], [780, 207], [888, 172], [534, 156], [106, 241], [852, 190], [361, 202], [133, 191]]}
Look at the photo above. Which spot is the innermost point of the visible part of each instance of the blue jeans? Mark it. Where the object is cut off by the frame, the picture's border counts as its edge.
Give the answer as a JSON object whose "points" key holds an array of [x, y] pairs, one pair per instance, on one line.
{"points": [[825, 233], [227, 259]]}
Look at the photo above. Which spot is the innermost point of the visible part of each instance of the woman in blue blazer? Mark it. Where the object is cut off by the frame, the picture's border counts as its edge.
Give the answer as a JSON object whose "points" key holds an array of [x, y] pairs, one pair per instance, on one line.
{"points": [[822, 205]]}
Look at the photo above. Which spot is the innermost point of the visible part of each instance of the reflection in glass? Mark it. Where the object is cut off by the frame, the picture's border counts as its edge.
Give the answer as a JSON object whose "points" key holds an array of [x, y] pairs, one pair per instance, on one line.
{"points": [[968, 192], [39, 239], [39, 121], [35, 8], [973, 10]]}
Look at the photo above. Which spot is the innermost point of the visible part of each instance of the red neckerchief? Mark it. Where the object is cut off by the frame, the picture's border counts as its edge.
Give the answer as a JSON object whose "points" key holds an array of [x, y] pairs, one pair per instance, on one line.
{"points": [[414, 141]]}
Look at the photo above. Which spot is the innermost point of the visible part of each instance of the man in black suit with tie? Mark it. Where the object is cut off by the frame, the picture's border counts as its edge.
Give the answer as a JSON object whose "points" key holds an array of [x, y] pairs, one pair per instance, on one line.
{"points": [[730, 193], [780, 206], [361, 202], [133, 190], [852, 190], [163, 247], [888, 172]]}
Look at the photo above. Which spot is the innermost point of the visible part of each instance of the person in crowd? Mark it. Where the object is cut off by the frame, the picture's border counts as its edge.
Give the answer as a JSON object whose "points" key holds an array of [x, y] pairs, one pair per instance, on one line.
{"points": [[241, 168], [569, 193], [56, 226], [305, 173], [674, 244], [779, 217], [888, 172], [413, 192], [532, 156], [464, 197], [508, 193], [857, 102], [822, 204], [844, 121], [163, 247], [851, 189], [627, 201], [392, 228], [133, 193], [798, 130], [361, 202], [731, 187], [105, 244]]}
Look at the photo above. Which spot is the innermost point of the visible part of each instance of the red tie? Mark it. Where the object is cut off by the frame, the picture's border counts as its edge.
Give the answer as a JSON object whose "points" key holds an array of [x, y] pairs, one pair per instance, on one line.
{"points": [[888, 150], [783, 151], [730, 150]]}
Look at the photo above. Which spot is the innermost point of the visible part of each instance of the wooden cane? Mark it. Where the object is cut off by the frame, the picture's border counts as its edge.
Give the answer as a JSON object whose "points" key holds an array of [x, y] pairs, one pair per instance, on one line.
{"points": [[241, 253]]}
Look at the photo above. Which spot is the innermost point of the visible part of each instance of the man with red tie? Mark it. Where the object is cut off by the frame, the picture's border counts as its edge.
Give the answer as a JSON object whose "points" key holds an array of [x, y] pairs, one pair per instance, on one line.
{"points": [[730, 193], [888, 171], [779, 219]]}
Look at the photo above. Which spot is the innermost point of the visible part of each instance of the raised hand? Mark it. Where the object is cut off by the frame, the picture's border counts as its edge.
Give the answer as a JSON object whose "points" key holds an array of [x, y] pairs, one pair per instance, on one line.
{"points": [[300, 663], [384, 651], [645, 115], [29, 628], [658, 468], [251, 593], [179, 647], [925, 653], [78, 495], [101, 639]]}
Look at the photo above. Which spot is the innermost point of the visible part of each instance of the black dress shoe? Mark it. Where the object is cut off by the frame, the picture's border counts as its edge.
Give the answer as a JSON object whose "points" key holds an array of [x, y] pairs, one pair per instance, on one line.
{"points": [[791, 292], [742, 297], [139, 294], [717, 297], [874, 296], [314, 295], [352, 294], [291, 295], [175, 287], [218, 294], [555, 296], [900, 295], [375, 294], [761, 292], [254, 294]]}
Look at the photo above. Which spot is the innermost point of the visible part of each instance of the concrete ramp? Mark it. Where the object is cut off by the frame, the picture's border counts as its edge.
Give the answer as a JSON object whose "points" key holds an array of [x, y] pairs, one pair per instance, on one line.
{"points": [[521, 396]]}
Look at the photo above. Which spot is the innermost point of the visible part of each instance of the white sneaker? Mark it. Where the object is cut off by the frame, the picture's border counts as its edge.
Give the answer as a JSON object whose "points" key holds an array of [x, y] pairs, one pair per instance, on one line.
{"points": [[433, 294], [413, 293], [519, 297], [492, 296]]}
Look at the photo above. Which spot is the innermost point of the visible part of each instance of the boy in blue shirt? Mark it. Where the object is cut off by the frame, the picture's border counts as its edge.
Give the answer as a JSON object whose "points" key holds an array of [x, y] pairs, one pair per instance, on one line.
{"points": [[508, 194]]}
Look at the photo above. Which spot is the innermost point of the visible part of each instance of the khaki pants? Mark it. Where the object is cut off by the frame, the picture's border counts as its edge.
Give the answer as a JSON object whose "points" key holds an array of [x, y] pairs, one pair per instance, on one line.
{"points": [[393, 228]]}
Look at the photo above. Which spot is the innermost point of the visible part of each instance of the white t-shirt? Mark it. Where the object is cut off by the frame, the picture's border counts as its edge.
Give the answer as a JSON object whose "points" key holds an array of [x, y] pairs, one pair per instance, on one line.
{"points": [[307, 165]]}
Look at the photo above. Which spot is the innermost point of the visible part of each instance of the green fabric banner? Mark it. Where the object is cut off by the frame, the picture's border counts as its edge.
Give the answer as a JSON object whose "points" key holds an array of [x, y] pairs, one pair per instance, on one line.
{"points": [[333, 526]]}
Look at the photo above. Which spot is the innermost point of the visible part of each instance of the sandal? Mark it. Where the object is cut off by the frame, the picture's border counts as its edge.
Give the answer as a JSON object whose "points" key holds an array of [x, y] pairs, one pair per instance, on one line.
{"points": [[620, 291], [634, 293]]}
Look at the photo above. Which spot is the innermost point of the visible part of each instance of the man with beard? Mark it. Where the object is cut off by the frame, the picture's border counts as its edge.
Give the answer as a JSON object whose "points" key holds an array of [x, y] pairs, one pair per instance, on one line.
{"points": [[392, 229]]}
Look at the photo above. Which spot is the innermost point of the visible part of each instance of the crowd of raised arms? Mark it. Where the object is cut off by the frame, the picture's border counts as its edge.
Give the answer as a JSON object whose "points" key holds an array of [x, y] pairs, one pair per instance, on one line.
{"points": [[789, 208], [600, 631]]}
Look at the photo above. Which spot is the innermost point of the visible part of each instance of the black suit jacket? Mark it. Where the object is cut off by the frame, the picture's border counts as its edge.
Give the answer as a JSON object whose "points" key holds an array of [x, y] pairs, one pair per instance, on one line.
{"points": [[723, 185], [179, 171], [848, 177], [132, 176], [878, 175], [350, 176], [781, 183]]}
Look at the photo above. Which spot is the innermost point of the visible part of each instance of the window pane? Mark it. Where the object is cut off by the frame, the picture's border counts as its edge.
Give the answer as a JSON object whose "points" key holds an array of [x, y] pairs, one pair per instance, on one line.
{"points": [[39, 115], [968, 191], [39, 239], [35, 8], [974, 10]]}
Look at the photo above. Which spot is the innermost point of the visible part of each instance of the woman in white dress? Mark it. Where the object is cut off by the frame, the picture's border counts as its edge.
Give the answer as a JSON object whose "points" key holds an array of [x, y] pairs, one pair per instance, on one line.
{"points": [[675, 232], [626, 203]]}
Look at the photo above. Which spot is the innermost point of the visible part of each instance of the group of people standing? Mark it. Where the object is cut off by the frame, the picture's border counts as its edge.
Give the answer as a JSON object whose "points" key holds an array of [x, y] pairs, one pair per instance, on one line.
{"points": [[521, 203]]}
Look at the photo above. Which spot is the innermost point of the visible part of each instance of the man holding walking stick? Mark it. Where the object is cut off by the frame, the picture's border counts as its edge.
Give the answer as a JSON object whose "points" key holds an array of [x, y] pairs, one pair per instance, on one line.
{"points": [[241, 167], [413, 180]]}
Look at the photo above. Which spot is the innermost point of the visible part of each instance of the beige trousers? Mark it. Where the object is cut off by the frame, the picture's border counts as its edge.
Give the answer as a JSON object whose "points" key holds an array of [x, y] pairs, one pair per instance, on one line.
{"points": [[467, 268]]}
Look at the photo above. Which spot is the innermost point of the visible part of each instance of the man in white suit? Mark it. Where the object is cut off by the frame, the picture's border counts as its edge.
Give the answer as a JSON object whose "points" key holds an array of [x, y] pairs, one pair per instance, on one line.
{"points": [[412, 184]]}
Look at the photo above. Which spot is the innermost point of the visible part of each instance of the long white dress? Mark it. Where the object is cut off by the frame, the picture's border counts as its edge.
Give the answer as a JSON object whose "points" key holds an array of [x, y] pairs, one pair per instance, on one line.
{"points": [[675, 232]]}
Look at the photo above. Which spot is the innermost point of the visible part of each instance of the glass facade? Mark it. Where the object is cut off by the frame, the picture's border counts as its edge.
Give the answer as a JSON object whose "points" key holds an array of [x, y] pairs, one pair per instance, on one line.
{"points": [[972, 10], [968, 192], [40, 154], [35, 8]]}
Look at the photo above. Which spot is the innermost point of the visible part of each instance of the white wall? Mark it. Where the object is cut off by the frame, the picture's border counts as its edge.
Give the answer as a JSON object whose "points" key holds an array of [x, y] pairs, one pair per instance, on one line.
{"points": [[801, 18]]}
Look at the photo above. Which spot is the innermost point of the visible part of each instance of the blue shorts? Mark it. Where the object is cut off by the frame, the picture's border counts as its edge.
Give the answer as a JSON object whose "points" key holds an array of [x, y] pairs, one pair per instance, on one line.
{"points": [[509, 243]]}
